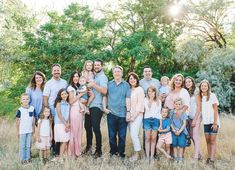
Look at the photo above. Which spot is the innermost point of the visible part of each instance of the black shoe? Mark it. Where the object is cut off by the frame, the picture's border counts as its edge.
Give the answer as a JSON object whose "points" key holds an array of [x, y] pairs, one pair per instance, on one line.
{"points": [[208, 160], [87, 151], [97, 154]]}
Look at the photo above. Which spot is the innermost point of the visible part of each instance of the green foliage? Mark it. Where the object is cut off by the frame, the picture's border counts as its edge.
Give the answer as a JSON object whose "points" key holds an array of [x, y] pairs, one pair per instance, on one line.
{"points": [[218, 68], [8, 105], [134, 34], [68, 39]]}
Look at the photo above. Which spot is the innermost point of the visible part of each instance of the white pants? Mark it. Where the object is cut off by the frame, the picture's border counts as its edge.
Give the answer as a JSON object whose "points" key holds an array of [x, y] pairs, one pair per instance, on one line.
{"points": [[134, 131]]}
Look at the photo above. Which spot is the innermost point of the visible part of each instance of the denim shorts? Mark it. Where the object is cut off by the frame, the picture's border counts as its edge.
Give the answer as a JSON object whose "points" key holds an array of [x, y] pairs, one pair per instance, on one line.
{"points": [[151, 124], [209, 131], [179, 141]]}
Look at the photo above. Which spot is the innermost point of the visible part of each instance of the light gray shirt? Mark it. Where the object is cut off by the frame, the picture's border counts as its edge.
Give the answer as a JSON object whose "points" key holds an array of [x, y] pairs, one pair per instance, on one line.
{"points": [[51, 89]]}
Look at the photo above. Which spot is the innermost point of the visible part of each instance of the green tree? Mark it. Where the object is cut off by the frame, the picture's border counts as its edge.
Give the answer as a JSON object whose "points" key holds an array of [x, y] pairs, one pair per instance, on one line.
{"points": [[68, 39], [207, 20], [140, 33]]}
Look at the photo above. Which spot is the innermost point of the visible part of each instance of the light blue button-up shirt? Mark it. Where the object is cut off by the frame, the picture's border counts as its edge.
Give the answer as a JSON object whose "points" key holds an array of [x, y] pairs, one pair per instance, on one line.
{"points": [[100, 80], [64, 109], [117, 94]]}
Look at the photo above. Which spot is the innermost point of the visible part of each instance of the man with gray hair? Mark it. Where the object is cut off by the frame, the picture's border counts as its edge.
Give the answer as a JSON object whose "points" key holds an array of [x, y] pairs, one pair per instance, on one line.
{"points": [[118, 100]]}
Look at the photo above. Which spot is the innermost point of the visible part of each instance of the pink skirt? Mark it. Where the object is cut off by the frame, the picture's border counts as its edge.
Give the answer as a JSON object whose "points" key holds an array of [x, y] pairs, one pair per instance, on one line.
{"points": [[60, 134], [44, 144]]}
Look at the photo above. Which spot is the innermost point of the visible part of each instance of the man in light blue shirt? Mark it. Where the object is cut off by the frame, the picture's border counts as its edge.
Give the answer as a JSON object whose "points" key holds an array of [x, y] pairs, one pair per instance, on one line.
{"points": [[92, 120], [148, 80], [118, 99]]}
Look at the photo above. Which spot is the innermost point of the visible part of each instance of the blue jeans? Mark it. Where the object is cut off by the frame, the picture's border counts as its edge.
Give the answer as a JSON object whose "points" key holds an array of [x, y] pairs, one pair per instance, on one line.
{"points": [[25, 144], [117, 125]]}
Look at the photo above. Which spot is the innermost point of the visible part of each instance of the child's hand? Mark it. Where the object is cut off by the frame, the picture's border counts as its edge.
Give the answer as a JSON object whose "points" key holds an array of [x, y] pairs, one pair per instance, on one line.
{"points": [[177, 133], [107, 111], [67, 129]]}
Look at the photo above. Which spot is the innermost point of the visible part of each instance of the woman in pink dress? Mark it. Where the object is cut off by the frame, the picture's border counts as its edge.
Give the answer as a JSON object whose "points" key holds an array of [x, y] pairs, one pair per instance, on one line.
{"points": [[76, 116]]}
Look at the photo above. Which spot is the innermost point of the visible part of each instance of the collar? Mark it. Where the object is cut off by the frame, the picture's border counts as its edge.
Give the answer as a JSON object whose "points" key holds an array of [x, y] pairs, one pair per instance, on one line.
{"points": [[113, 81]]}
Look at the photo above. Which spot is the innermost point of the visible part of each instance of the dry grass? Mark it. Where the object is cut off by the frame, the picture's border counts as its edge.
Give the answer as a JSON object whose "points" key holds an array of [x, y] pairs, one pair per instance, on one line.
{"points": [[9, 158]]}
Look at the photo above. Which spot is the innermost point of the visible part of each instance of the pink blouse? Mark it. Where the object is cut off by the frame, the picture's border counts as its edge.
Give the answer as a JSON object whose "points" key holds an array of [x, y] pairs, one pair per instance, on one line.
{"points": [[169, 102], [137, 100]]}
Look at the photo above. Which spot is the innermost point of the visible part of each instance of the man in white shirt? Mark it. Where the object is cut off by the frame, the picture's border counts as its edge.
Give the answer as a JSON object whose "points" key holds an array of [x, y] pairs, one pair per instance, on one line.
{"points": [[50, 91]]}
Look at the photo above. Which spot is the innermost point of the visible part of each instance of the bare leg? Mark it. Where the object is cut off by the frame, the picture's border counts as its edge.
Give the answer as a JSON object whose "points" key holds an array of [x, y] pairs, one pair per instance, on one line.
{"points": [[62, 148], [180, 152], [159, 147], [153, 143], [175, 152], [208, 145], [147, 142], [213, 146], [168, 149]]}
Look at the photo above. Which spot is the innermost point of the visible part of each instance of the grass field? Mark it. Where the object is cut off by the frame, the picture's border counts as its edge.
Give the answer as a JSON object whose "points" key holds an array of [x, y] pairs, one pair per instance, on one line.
{"points": [[9, 157]]}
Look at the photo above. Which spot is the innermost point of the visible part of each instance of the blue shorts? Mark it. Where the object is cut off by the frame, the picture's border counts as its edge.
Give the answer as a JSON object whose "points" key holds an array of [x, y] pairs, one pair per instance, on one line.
{"points": [[151, 124], [209, 131], [179, 141]]}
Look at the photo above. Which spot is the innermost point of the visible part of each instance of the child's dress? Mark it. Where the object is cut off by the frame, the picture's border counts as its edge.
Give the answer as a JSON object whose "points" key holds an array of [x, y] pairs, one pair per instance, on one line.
{"points": [[60, 134], [44, 134]]}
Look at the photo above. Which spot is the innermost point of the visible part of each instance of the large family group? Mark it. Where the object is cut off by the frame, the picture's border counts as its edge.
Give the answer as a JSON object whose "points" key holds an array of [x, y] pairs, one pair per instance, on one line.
{"points": [[169, 111]]}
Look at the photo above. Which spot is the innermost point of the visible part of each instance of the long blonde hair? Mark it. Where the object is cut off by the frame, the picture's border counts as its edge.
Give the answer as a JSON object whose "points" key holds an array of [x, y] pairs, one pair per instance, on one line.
{"points": [[84, 66]]}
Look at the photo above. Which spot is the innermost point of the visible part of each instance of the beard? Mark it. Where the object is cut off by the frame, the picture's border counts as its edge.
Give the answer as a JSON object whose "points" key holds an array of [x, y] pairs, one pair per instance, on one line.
{"points": [[98, 71]]}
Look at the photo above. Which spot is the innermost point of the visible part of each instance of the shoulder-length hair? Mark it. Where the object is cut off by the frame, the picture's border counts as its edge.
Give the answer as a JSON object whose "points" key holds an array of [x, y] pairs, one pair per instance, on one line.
{"points": [[154, 90], [192, 90], [42, 116], [135, 76], [208, 93], [32, 83], [71, 80], [173, 81], [59, 98]]}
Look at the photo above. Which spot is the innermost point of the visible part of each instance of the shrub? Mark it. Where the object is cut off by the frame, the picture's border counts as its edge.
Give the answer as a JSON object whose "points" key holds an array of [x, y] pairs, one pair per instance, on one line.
{"points": [[219, 68]]}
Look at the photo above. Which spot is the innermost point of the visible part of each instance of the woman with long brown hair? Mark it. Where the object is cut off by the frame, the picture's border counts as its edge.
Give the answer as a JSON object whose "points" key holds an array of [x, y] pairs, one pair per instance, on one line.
{"points": [[35, 91]]}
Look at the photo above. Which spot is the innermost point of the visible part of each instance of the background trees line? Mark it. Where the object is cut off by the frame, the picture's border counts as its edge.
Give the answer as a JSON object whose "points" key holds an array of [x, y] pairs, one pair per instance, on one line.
{"points": [[198, 42]]}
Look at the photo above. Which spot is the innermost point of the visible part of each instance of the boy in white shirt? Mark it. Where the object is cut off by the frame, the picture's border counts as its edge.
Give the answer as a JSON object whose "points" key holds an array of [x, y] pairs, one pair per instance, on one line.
{"points": [[25, 120]]}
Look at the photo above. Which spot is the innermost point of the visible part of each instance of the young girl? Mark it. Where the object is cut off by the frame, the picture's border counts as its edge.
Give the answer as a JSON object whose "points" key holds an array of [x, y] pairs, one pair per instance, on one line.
{"points": [[44, 133], [152, 118], [194, 122], [164, 130], [62, 126], [178, 127], [87, 71], [25, 120], [208, 104]]}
